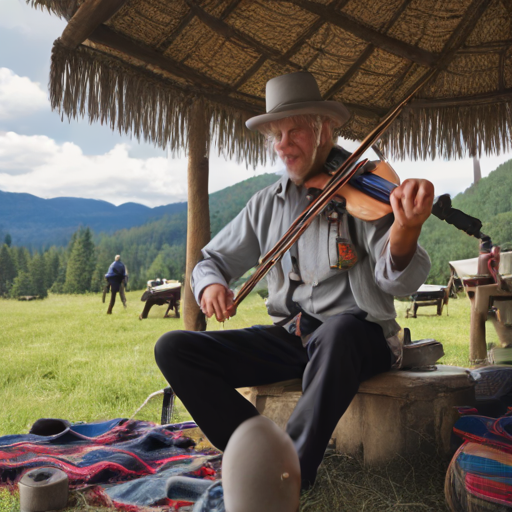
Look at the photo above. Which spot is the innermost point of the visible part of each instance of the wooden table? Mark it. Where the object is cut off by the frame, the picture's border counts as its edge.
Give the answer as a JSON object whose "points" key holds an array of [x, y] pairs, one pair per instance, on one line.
{"points": [[168, 293]]}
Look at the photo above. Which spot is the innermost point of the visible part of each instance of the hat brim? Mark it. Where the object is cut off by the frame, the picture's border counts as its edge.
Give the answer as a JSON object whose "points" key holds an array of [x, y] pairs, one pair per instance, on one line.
{"points": [[333, 109]]}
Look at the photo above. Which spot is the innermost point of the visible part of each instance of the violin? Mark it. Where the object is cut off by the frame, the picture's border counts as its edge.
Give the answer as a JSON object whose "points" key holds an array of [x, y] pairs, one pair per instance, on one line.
{"points": [[367, 193]]}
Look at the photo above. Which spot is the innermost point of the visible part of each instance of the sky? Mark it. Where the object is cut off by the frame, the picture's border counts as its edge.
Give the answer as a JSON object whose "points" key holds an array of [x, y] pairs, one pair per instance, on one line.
{"points": [[42, 154]]}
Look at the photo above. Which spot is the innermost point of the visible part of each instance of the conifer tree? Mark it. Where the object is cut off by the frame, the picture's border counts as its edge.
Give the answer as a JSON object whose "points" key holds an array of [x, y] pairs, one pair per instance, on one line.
{"points": [[38, 275], [80, 265], [8, 240], [52, 265], [22, 258], [8, 271], [58, 284], [22, 285]]}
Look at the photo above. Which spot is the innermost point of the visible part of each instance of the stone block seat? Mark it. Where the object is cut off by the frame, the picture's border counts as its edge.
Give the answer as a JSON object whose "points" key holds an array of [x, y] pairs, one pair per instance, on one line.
{"points": [[398, 413]]}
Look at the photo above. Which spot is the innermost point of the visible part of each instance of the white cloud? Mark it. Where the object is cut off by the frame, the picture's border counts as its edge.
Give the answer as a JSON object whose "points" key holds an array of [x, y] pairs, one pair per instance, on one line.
{"points": [[32, 22], [19, 96], [40, 166]]}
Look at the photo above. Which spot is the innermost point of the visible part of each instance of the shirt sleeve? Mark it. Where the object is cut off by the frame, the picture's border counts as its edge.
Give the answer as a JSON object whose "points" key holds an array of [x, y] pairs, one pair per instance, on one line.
{"points": [[233, 251], [395, 282]]}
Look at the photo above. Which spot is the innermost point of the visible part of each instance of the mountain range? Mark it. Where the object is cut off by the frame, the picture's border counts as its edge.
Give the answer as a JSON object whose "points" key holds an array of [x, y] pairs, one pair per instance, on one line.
{"points": [[35, 222]]}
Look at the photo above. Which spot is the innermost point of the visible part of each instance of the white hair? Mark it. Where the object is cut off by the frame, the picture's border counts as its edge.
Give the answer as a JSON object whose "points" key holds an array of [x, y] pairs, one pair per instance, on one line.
{"points": [[315, 122]]}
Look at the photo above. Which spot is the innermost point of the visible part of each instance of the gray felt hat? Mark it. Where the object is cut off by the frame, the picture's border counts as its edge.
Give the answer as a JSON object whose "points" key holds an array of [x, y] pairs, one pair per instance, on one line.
{"points": [[296, 94]]}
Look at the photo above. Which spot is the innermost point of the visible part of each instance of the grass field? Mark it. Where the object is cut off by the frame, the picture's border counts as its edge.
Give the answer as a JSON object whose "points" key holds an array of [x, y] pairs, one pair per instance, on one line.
{"points": [[63, 357]]}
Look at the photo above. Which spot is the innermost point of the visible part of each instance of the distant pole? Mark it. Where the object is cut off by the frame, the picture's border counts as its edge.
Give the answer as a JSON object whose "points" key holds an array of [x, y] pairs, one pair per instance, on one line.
{"points": [[477, 173], [198, 224]]}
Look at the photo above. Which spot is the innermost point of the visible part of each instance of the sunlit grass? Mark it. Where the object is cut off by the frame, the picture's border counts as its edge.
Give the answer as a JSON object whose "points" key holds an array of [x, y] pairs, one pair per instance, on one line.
{"points": [[63, 357]]}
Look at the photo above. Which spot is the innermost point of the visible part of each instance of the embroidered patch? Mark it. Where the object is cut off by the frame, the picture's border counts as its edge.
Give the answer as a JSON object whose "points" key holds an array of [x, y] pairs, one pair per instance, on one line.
{"points": [[347, 256]]}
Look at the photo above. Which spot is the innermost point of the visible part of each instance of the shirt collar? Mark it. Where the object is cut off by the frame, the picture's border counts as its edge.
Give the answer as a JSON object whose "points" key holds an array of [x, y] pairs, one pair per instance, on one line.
{"points": [[282, 187]]}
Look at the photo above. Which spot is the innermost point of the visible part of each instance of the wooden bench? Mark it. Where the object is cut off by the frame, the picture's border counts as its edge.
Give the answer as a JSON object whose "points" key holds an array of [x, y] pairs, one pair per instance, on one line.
{"points": [[395, 414], [431, 295]]}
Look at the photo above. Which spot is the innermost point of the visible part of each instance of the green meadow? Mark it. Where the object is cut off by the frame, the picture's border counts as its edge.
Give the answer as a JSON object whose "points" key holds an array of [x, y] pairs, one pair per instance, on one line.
{"points": [[64, 357]]}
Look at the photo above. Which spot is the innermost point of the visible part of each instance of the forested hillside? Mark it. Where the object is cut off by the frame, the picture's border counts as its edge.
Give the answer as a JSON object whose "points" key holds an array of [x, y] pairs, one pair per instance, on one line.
{"points": [[38, 223], [490, 200], [155, 249]]}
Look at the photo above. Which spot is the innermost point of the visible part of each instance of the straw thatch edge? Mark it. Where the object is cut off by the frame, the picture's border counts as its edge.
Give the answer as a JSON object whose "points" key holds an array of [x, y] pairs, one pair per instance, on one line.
{"points": [[131, 99], [450, 132], [62, 8]]}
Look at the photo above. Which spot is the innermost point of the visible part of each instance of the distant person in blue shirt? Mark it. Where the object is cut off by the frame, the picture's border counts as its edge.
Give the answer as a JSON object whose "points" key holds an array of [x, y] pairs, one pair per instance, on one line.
{"points": [[115, 276]]}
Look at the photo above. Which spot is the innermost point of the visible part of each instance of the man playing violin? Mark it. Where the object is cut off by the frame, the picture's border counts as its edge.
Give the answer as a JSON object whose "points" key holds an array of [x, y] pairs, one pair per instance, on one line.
{"points": [[330, 296]]}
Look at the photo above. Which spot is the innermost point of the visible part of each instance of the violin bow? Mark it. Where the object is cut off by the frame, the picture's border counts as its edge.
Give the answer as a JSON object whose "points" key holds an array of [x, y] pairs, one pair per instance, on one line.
{"points": [[340, 178]]}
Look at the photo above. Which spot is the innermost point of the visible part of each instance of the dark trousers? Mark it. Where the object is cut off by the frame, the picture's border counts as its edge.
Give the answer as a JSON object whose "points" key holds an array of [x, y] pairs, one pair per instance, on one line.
{"points": [[115, 285], [204, 368]]}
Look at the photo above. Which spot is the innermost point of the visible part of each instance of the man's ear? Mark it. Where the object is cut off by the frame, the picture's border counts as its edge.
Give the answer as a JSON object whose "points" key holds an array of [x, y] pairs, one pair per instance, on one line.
{"points": [[326, 133]]}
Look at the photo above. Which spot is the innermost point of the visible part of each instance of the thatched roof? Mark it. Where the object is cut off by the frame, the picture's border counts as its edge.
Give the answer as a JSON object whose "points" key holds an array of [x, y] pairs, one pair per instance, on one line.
{"points": [[141, 69]]}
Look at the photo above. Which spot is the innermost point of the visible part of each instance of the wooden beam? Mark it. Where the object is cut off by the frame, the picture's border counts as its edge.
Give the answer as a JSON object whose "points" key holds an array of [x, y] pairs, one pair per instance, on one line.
{"points": [[315, 27], [468, 101], [230, 33], [489, 47], [207, 87], [106, 36], [198, 219], [501, 70], [89, 16], [230, 8], [308, 33], [455, 42], [390, 44], [250, 72], [458, 37], [166, 43], [365, 55], [365, 111], [352, 70]]}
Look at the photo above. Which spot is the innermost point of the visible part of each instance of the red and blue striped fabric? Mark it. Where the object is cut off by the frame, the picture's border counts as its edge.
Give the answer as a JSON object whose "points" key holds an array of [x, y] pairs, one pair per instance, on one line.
{"points": [[122, 463], [479, 477]]}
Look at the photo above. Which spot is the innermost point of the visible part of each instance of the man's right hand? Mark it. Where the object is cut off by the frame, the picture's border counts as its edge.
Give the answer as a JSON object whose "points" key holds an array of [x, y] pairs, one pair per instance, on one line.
{"points": [[217, 299]]}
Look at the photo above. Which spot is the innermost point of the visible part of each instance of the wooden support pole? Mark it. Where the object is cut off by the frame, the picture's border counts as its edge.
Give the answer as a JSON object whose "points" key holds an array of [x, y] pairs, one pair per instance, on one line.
{"points": [[198, 224], [477, 344], [90, 15]]}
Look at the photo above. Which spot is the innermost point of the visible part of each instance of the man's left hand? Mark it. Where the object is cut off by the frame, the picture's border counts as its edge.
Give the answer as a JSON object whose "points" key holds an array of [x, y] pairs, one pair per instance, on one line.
{"points": [[412, 204]]}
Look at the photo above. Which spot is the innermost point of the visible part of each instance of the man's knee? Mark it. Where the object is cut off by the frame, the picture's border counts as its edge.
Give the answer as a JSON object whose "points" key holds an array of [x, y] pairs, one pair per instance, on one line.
{"points": [[170, 347]]}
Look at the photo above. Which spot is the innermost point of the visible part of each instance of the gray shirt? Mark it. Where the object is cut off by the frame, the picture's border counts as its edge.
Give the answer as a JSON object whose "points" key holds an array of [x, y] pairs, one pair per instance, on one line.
{"points": [[368, 286]]}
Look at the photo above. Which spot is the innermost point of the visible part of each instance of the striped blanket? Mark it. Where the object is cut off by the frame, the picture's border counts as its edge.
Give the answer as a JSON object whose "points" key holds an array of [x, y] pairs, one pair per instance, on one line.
{"points": [[118, 463]]}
